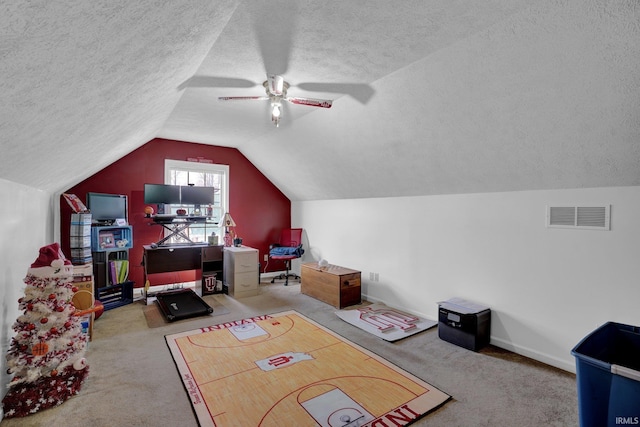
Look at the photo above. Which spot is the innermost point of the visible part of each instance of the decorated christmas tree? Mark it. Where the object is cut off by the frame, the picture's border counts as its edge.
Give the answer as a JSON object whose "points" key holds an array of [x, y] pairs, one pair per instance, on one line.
{"points": [[46, 355]]}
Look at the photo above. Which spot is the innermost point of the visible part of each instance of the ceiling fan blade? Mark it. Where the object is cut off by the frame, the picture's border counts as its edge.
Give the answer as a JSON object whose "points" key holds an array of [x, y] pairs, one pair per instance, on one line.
{"points": [[359, 91], [273, 28], [322, 103], [243, 98], [210, 81]]}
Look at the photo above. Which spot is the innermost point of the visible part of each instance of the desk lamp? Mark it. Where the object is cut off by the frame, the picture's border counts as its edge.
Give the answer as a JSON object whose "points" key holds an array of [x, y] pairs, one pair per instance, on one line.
{"points": [[228, 222]]}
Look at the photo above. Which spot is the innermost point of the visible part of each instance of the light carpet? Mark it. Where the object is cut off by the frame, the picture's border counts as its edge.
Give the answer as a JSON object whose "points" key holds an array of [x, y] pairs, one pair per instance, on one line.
{"points": [[387, 323], [285, 369]]}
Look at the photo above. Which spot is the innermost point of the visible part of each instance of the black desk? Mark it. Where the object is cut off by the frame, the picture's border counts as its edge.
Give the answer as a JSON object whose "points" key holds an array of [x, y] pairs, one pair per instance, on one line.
{"points": [[208, 260]]}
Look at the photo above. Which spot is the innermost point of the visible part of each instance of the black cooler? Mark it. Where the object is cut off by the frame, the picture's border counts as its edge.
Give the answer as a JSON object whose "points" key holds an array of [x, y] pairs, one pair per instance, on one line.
{"points": [[463, 323]]}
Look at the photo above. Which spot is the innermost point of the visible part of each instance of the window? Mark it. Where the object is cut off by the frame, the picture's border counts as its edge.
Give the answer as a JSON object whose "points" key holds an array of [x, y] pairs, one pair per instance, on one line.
{"points": [[178, 172]]}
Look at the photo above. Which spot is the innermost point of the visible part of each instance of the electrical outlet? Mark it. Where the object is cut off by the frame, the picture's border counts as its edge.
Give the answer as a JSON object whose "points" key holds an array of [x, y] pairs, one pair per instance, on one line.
{"points": [[266, 258], [377, 277], [371, 276]]}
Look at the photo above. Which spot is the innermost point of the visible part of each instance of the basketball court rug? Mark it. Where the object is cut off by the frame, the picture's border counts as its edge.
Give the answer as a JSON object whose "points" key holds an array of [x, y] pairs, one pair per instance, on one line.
{"points": [[287, 370], [387, 323]]}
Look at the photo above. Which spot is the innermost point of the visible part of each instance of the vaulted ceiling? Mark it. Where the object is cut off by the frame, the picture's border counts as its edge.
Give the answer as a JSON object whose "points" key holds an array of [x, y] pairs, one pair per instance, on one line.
{"points": [[430, 96]]}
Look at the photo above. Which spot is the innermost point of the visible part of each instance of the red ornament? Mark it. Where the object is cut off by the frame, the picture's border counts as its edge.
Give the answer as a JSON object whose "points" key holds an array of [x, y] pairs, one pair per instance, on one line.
{"points": [[54, 330], [67, 324], [52, 296], [29, 307], [74, 289], [44, 320], [59, 309], [54, 373], [31, 327]]}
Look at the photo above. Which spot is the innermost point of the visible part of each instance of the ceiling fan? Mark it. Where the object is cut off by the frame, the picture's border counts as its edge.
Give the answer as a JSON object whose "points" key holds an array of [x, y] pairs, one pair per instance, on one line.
{"points": [[276, 89]]}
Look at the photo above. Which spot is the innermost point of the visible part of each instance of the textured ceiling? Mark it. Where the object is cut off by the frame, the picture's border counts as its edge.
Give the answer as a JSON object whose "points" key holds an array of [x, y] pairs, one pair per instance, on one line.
{"points": [[430, 97]]}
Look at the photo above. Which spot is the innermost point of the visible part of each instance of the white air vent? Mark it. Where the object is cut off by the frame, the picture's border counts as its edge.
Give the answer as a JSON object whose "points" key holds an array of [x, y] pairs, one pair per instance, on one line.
{"points": [[585, 217]]}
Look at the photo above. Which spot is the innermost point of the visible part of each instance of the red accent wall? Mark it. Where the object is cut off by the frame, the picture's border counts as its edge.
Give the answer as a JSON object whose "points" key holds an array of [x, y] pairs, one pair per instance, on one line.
{"points": [[259, 209]]}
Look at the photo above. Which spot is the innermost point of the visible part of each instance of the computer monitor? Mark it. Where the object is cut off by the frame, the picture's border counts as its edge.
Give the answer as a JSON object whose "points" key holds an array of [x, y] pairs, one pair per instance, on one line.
{"points": [[161, 194], [191, 195]]}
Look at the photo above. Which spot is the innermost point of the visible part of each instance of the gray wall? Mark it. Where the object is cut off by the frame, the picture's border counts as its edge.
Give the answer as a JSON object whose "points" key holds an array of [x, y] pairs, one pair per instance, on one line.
{"points": [[548, 288], [26, 218]]}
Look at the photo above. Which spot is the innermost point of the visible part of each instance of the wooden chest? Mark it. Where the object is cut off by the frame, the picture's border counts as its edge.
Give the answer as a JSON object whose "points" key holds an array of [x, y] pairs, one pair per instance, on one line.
{"points": [[332, 284]]}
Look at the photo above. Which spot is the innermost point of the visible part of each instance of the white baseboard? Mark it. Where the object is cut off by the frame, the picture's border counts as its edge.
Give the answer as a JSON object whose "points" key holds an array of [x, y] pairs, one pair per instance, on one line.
{"points": [[535, 355], [271, 274], [138, 293], [498, 342]]}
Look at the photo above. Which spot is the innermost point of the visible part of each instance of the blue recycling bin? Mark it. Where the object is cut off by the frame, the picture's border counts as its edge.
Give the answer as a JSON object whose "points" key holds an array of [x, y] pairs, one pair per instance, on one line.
{"points": [[608, 376]]}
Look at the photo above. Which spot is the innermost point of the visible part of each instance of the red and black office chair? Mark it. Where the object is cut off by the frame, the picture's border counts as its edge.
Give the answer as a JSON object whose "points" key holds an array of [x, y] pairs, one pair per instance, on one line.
{"points": [[289, 247]]}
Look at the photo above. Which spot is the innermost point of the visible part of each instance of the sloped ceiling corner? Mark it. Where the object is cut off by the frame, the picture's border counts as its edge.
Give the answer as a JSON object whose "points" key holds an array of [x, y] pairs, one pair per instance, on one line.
{"points": [[430, 97], [87, 82]]}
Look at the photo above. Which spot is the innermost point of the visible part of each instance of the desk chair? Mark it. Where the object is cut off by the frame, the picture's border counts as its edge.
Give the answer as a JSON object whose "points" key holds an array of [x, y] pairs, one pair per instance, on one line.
{"points": [[289, 247]]}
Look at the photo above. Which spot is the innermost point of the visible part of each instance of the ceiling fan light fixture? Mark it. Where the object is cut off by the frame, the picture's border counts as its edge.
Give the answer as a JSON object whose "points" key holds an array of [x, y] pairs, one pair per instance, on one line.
{"points": [[276, 110]]}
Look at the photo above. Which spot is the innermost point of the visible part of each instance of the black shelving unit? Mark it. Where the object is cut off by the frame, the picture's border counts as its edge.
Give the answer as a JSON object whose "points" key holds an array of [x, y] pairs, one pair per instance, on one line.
{"points": [[110, 250], [212, 266]]}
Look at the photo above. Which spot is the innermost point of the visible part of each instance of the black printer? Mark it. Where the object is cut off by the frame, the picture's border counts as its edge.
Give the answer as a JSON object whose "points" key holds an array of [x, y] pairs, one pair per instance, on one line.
{"points": [[464, 323]]}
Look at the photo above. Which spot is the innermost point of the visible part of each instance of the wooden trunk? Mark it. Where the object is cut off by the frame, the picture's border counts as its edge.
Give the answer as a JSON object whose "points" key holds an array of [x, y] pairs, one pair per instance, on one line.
{"points": [[334, 285]]}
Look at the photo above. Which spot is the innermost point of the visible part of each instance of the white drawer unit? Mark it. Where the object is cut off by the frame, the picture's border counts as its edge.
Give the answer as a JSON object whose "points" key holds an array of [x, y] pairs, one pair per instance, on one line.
{"points": [[241, 271]]}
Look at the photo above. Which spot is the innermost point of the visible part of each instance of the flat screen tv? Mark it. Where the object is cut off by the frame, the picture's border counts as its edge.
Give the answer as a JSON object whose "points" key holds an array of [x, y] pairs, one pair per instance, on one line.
{"points": [[191, 195], [107, 207], [161, 194]]}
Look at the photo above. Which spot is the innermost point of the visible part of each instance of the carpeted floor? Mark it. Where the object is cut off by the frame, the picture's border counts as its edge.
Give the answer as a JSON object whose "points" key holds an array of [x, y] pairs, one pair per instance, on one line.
{"points": [[133, 380]]}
